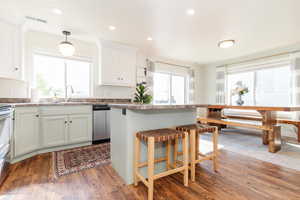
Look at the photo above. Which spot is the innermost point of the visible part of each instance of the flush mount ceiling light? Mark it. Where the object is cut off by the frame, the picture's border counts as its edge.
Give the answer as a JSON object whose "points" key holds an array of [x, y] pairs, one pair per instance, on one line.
{"points": [[226, 44], [112, 28], [66, 48], [149, 39], [190, 12], [57, 11]]}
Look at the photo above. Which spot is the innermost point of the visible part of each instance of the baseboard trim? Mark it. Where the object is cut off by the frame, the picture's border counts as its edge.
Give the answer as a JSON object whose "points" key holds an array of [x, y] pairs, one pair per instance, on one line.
{"points": [[48, 150]]}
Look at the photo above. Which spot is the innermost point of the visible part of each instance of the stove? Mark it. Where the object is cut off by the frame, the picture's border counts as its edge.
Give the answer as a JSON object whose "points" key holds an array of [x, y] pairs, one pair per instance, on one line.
{"points": [[6, 113]]}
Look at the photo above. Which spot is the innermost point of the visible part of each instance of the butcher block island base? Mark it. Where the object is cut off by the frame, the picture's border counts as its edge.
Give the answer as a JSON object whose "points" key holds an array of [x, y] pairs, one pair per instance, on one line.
{"points": [[128, 119]]}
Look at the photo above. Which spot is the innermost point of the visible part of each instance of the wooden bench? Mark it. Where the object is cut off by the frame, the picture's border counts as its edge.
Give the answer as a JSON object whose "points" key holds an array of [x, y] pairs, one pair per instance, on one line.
{"points": [[274, 139], [278, 121]]}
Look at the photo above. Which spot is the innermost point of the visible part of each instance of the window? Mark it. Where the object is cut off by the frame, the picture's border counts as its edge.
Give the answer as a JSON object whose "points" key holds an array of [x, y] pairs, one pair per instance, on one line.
{"points": [[267, 87], [54, 75], [169, 88]]}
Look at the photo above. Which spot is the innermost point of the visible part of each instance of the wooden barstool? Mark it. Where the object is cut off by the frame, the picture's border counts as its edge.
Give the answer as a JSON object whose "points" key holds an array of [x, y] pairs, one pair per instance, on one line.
{"points": [[194, 131], [154, 136]]}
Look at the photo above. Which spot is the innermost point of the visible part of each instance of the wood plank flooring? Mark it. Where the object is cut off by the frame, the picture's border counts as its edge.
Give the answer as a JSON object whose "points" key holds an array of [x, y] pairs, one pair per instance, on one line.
{"points": [[239, 178]]}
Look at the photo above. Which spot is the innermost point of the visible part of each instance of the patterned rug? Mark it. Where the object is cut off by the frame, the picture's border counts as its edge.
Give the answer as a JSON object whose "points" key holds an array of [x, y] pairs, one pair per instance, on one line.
{"points": [[74, 160]]}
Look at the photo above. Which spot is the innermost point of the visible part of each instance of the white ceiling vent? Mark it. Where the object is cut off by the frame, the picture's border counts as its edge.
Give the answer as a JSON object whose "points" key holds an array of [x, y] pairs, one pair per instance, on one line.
{"points": [[36, 19]]}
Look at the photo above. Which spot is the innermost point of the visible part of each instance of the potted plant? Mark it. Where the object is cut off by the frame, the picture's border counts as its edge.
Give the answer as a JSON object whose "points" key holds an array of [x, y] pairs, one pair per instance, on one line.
{"points": [[240, 90], [141, 95]]}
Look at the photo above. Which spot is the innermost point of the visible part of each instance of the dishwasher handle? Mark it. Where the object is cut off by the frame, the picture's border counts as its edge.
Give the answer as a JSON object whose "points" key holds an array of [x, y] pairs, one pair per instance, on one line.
{"points": [[100, 107]]}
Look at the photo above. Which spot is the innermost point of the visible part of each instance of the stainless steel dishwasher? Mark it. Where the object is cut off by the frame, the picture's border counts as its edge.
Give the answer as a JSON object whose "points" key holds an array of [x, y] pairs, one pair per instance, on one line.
{"points": [[101, 123]]}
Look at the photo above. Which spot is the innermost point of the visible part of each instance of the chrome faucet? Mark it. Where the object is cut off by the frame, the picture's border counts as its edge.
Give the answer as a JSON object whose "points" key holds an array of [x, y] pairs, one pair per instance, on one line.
{"points": [[67, 97]]}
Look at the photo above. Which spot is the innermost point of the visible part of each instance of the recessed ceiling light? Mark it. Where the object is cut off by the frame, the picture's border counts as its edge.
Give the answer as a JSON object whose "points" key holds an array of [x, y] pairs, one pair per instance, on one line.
{"points": [[57, 11], [190, 12], [226, 43], [112, 28], [149, 39]]}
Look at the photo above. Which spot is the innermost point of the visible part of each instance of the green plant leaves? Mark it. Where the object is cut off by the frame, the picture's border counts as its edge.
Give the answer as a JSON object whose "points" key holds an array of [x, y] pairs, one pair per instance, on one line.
{"points": [[141, 95]]}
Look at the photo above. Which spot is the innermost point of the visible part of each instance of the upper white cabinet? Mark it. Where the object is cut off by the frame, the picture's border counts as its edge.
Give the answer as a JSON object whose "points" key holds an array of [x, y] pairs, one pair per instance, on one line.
{"points": [[10, 51], [117, 66]]}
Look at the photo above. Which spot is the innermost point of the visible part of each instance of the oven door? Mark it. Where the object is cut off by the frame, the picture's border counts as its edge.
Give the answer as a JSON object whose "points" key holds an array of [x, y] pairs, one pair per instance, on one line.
{"points": [[5, 136]]}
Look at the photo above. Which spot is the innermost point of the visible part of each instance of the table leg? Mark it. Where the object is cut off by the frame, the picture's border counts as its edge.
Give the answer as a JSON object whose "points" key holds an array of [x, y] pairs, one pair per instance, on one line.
{"points": [[271, 137], [275, 139], [265, 137]]}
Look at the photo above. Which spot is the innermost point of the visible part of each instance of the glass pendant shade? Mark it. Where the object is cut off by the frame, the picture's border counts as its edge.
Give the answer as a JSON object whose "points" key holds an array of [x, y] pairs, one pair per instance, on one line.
{"points": [[66, 48]]}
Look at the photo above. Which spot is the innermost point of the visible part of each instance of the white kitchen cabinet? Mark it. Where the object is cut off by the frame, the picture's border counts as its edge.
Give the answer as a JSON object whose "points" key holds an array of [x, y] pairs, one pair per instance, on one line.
{"points": [[50, 128], [117, 65], [54, 130], [26, 131], [79, 128], [10, 50]]}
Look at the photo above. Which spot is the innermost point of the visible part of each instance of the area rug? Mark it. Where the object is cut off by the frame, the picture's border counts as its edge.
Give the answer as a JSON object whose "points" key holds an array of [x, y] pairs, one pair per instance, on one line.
{"points": [[74, 160], [250, 144]]}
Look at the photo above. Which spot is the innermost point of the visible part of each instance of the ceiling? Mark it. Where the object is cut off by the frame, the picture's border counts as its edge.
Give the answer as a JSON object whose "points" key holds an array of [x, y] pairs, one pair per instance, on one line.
{"points": [[256, 25]]}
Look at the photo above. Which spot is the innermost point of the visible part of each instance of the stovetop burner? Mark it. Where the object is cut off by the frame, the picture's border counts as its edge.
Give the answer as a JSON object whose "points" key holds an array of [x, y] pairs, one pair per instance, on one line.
{"points": [[4, 107]]}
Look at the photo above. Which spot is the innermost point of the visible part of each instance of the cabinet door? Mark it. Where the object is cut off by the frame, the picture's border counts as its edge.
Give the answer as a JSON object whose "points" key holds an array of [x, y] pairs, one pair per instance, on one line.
{"points": [[54, 130], [118, 66], [128, 72], [26, 132], [110, 66], [9, 51], [80, 128]]}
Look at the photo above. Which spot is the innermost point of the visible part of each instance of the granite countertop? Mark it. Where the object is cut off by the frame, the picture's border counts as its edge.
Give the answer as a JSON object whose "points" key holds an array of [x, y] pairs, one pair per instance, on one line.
{"points": [[156, 107], [56, 104], [25, 102]]}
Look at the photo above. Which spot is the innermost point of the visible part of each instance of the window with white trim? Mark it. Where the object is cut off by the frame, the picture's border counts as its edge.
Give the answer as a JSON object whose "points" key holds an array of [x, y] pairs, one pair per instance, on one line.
{"points": [[169, 88], [56, 76], [269, 86]]}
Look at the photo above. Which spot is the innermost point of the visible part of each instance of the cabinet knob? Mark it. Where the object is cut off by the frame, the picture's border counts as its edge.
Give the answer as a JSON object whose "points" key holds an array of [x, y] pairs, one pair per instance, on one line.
{"points": [[37, 115], [66, 122], [70, 121]]}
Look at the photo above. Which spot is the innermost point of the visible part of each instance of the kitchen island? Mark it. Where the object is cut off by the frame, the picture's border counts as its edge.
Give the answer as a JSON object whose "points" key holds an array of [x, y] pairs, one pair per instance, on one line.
{"points": [[127, 119]]}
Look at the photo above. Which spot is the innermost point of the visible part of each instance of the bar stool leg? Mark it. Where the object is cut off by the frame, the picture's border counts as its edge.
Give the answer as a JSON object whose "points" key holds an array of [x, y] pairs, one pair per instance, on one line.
{"points": [[215, 143], [151, 147], [168, 154], [175, 153], [185, 159], [197, 146], [193, 153], [136, 159]]}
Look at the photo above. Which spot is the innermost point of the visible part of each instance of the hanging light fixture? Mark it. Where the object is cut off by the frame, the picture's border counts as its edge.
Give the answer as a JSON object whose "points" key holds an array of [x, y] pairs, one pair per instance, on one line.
{"points": [[66, 48]]}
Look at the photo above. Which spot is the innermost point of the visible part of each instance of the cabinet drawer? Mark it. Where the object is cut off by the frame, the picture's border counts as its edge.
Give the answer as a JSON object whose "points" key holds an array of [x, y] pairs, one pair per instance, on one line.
{"points": [[65, 110]]}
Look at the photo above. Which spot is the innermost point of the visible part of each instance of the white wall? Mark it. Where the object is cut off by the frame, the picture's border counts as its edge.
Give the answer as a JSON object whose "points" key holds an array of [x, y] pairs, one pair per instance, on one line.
{"points": [[47, 43], [210, 69], [39, 42], [209, 84], [13, 88]]}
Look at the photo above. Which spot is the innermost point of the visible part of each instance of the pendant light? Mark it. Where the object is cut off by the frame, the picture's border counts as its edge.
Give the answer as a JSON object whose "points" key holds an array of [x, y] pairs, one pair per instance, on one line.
{"points": [[66, 48]]}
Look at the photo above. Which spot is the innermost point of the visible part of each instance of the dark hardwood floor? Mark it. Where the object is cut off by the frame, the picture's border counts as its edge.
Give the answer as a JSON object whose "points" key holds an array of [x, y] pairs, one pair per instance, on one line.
{"points": [[239, 177]]}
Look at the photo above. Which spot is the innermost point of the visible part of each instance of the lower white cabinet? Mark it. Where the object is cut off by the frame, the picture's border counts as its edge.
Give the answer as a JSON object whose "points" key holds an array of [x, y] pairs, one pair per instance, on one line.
{"points": [[53, 130], [79, 128], [38, 129], [26, 131]]}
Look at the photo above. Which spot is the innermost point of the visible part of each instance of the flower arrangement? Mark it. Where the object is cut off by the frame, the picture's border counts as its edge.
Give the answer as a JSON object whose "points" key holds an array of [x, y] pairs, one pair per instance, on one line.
{"points": [[240, 90]]}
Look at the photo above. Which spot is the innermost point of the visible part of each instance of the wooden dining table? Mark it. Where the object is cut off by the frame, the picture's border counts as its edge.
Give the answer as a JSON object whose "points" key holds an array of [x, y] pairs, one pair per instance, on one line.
{"points": [[271, 131]]}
